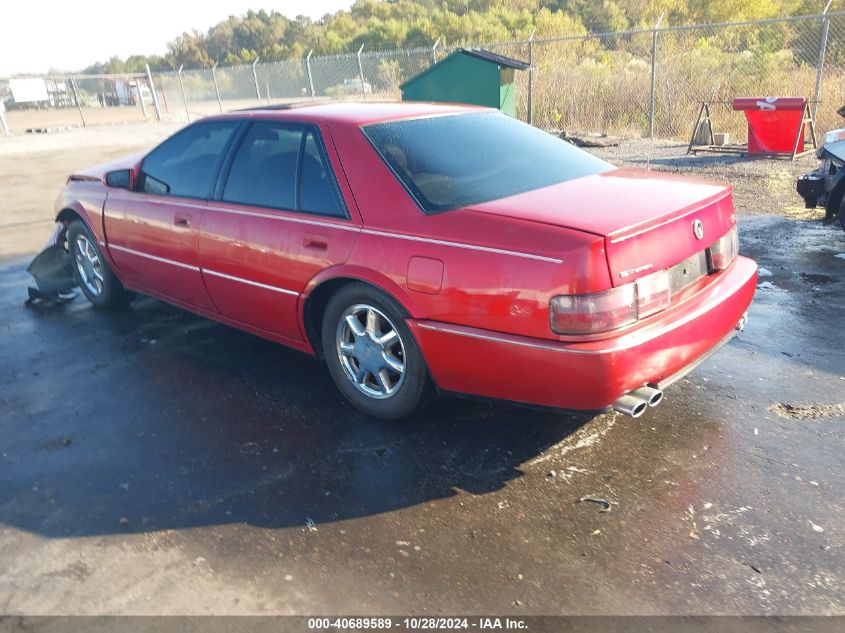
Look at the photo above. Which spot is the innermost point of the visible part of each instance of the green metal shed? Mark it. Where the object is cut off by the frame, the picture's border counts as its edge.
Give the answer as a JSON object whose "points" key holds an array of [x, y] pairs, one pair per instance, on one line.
{"points": [[469, 75]]}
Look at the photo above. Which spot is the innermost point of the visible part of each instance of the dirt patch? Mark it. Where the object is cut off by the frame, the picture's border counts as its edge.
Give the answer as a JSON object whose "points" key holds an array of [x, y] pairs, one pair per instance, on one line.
{"points": [[818, 279], [804, 411]]}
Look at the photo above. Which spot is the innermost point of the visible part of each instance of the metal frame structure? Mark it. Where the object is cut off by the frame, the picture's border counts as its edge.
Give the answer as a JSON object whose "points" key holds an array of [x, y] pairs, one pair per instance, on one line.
{"points": [[705, 117]]}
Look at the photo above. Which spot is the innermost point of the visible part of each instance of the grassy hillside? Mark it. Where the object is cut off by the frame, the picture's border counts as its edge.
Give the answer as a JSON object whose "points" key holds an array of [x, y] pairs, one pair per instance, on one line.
{"points": [[384, 24]]}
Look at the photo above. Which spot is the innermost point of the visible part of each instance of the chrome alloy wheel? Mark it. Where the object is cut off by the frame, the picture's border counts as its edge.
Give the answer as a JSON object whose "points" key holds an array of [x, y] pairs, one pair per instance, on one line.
{"points": [[89, 265], [371, 351]]}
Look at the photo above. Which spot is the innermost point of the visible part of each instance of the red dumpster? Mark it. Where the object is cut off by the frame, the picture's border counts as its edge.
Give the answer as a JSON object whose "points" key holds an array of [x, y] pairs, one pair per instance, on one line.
{"points": [[775, 124]]}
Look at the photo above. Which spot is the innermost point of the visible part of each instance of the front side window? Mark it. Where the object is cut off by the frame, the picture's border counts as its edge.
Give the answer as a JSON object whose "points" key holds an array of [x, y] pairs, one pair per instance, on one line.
{"points": [[282, 166], [453, 161], [184, 164]]}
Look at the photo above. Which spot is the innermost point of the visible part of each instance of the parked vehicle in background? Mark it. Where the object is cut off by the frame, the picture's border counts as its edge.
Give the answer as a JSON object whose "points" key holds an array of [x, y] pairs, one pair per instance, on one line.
{"points": [[825, 185], [119, 92], [421, 247], [37, 92], [352, 86]]}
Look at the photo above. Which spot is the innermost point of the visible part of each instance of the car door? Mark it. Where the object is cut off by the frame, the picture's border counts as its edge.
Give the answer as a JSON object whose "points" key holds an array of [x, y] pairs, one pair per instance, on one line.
{"points": [[152, 231], [279, 216]]}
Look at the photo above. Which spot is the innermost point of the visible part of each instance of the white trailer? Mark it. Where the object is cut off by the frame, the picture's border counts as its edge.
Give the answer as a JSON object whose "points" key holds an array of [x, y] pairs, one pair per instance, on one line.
{"points": [[30, 91]]}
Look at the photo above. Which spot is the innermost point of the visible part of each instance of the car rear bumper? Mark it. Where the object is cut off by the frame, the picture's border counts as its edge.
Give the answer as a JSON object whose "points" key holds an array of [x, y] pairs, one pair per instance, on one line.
{"points": [[590, 375]]}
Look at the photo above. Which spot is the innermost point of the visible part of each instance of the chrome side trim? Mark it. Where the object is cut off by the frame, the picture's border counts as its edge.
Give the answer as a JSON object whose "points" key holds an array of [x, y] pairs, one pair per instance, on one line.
{"points": [[346, 227], [472, 247], [285, 218], [182, 202], [250, 282], [509, 341], [634, 340], [152, 257]]}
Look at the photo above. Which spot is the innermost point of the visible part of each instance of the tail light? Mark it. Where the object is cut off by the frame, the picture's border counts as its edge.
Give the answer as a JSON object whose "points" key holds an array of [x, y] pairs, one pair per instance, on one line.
{"points": [[653, 293], [594, 312], [723, 252], [610, 309]]}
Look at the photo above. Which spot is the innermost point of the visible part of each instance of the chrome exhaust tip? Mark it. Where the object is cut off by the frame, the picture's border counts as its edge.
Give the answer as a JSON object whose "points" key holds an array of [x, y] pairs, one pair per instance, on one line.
{"points": [[649, 394], [740, 326], [630, 405]]}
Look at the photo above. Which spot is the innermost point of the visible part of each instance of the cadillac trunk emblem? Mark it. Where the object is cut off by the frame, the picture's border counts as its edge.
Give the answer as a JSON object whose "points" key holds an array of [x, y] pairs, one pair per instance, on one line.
{"points": [[698, 229]]}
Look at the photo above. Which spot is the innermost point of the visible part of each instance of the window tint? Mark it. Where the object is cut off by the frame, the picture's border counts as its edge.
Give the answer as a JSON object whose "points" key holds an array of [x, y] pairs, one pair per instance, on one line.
{"points": [[184, 164], [454, 161], [318, 192], [264, 170]]}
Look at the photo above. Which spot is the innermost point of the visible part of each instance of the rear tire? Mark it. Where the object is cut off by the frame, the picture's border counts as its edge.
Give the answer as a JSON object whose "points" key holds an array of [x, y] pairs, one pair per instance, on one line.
{"points": [[96, 280], [371, 354]]}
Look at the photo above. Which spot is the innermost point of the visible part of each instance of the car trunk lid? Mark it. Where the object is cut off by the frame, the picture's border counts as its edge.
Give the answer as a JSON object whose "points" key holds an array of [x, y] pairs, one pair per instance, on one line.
{"points": [[650, 221]]}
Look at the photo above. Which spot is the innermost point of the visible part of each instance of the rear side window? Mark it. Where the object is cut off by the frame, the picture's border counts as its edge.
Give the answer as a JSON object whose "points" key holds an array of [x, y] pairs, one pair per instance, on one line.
{"points": [[454, 161], [283, 166], [184, 165], [318, 191]]}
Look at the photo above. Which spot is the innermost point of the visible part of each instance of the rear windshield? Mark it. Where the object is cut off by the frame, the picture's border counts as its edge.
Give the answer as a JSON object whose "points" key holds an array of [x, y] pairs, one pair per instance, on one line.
{"points": [[454, 161]]}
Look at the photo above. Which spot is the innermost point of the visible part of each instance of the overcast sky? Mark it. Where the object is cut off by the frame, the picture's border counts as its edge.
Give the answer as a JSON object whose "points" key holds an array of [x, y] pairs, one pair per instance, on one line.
{"points": [[36, 35]]}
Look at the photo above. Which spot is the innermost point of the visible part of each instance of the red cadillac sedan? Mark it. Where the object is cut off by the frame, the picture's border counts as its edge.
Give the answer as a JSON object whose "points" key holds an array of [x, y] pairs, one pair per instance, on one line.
{"points": [[422, 248]]}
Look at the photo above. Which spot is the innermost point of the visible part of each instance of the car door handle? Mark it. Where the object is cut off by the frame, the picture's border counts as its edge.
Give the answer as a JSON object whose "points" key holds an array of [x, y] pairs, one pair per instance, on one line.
{"points": [[315, 242], [182, 219]]}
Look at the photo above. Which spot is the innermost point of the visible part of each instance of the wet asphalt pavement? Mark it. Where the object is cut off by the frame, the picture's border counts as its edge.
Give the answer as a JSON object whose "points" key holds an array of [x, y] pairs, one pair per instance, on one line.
{"points": [[155, 462]]}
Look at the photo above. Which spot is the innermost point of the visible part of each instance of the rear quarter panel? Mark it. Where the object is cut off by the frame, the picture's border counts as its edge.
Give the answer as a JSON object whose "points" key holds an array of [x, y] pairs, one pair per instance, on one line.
{"points": [[499, 273]]}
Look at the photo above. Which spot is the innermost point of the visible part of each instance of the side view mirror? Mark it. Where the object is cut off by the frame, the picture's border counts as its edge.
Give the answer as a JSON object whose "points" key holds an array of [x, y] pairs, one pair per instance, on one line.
{"points": [[120, 179]]}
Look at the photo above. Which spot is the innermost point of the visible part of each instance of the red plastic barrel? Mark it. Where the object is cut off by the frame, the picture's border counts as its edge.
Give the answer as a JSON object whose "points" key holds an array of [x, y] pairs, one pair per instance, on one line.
{"points": [[773, 123]]}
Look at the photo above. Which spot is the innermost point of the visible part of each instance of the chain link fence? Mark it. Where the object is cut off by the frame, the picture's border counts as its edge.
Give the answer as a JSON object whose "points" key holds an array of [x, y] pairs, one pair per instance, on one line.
{"points": [[635, 84]]}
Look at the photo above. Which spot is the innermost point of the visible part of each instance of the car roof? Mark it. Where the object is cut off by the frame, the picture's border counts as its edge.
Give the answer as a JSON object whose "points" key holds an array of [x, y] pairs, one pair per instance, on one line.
{"points": [[352, 113]]}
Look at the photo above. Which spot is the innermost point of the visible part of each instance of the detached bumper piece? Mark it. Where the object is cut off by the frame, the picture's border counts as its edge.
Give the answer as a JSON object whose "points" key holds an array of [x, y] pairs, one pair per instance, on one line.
{"points": [[52, 270]]}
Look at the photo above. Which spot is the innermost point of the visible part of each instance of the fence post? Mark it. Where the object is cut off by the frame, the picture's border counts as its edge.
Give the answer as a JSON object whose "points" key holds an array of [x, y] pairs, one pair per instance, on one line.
{"points": [[153, 93], [531, 77], [255, 78], [182, 89], [216, 87], [361, 73], [308, 68], [3, 123], [141, 97], [653, 78], [820, 66], [76, 98], [434, 51]]}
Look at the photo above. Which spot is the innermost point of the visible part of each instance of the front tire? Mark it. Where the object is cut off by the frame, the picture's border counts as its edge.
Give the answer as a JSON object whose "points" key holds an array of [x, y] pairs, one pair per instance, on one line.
{"points": [[371, 354], [96, 280]]}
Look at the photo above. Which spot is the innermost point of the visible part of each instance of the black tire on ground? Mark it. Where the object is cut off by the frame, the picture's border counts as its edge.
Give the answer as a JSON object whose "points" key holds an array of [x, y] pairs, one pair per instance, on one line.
{"points": [[413, 387], [96, 280]]}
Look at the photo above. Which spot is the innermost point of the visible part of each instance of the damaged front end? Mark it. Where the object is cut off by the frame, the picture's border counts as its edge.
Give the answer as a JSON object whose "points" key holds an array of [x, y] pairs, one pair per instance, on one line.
{"points": [[52, 270], [825, 185]]}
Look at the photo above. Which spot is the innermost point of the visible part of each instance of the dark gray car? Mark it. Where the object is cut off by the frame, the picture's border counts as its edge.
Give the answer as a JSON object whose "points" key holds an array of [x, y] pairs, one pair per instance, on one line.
{"points": [[825, 186]]}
